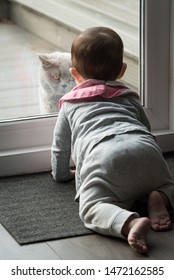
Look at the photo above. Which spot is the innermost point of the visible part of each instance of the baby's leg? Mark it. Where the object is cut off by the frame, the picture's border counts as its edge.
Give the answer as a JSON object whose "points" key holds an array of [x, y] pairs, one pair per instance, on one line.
{"points": [[109, 219], [157, 210], [107, 191], [101, 213], [136, 231]]}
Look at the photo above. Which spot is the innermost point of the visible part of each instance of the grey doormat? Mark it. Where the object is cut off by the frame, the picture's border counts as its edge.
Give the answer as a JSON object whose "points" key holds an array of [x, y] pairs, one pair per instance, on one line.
{"points": [[34, 208]]}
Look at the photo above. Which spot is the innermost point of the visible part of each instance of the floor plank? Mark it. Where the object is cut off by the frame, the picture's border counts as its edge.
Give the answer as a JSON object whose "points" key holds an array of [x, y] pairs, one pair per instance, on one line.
{"points": [[11, 250], [94, 247], [97, 247], [89, 247]]}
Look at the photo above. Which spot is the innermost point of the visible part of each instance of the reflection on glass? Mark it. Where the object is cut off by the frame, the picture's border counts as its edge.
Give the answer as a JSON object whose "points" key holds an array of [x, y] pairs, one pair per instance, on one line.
{"points": [[31, 85]]}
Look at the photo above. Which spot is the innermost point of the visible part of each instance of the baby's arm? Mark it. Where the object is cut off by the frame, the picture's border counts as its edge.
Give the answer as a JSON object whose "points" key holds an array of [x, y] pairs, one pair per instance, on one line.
{"points": [[142, 115], [61, 150], [144, 119]]}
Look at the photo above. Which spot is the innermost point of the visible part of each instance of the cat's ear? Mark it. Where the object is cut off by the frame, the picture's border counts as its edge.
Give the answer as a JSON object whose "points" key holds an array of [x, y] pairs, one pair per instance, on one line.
{"points": [[45, 59]]}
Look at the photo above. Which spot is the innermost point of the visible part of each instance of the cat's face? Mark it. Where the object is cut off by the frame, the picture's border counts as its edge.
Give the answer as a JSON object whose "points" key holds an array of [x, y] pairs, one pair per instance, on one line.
{"points": [[54, 74]]}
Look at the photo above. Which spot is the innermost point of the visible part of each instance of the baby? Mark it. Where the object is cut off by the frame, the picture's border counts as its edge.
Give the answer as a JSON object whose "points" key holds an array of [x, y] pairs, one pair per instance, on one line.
{"points": [[103, 126]]}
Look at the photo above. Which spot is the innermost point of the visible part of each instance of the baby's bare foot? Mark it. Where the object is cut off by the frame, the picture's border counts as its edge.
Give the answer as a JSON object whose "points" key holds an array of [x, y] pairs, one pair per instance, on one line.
{"points": [[136, 230], [138, 234], [158, 214]]}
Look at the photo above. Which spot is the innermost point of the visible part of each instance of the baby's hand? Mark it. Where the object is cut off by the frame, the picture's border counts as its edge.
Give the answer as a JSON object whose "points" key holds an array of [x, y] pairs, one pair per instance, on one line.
{"points": [[73, 172]]}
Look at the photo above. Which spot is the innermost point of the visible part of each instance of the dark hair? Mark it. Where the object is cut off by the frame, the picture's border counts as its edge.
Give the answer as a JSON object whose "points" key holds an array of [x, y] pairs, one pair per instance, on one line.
{"points": [[97, 53]]}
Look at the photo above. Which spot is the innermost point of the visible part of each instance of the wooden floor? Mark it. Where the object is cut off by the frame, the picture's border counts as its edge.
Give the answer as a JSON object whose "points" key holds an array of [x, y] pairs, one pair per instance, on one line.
{"points": [[90, 247]]}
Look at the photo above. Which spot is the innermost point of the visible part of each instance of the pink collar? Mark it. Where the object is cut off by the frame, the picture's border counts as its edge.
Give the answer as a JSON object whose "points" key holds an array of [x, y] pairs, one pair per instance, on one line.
{"points": [[95, 88]]}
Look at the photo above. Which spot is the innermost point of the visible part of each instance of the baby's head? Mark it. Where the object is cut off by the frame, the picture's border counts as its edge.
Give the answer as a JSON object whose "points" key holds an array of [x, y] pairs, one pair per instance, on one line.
{"points": [[97, 53]]}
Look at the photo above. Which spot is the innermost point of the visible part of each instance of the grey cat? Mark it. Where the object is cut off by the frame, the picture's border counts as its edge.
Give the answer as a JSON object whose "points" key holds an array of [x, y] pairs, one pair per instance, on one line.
{"points": [[55, 80]]}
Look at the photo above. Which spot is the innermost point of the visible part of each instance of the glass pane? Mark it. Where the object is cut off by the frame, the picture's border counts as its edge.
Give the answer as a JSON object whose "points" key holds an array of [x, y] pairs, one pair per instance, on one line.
{"points": [[19, 62], [19, 65]]}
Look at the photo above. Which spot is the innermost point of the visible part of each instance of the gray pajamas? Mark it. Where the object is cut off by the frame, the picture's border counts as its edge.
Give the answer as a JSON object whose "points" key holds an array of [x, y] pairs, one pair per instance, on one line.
{"points": [[115, 174], [117, 159]]}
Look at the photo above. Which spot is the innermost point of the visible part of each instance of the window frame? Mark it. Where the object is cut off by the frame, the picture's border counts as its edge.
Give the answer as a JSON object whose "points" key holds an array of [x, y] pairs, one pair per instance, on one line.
{"points": [[157, 24], [26, 143]]}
